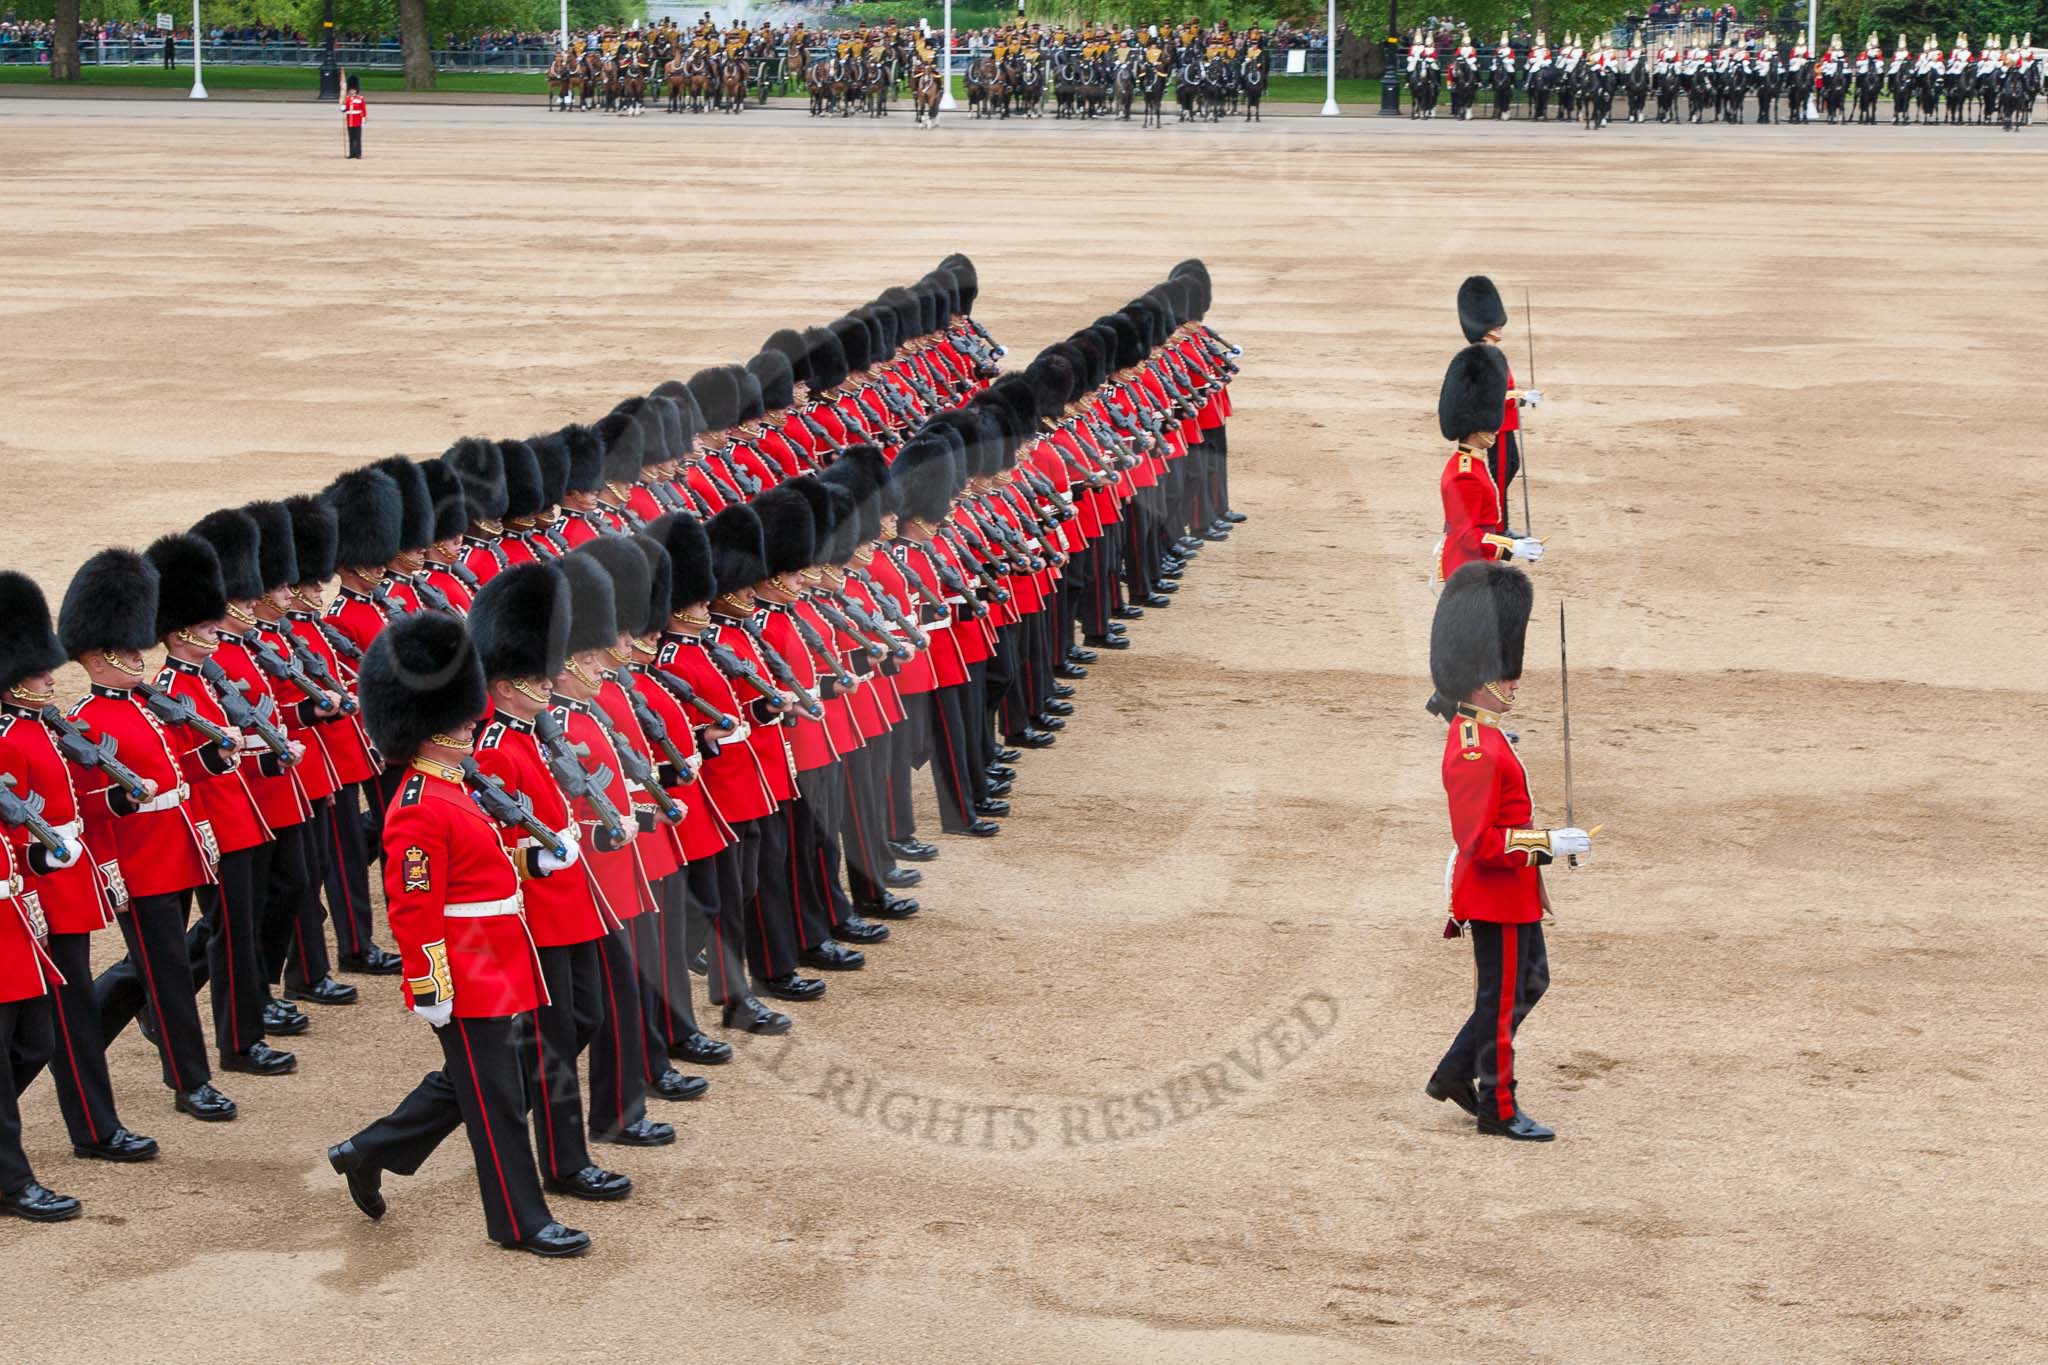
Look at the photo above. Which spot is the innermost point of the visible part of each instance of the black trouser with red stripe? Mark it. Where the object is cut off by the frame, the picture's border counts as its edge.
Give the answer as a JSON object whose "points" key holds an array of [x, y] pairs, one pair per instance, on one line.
{"points": [[222, 947], [26, 1038], [953, 764], [1513, 971], [85, 1095], [821, 815], [864, 829], [714, 895], [289, 933], [480, 1087], [772, 919], [661, 946], [345, 871], [157, 977], [909, 745], [550, 1042], [618, 1057]]}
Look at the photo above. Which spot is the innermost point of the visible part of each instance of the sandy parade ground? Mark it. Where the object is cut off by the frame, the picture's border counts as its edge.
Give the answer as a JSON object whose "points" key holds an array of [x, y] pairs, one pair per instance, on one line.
{"points": [[1144, 1080]]}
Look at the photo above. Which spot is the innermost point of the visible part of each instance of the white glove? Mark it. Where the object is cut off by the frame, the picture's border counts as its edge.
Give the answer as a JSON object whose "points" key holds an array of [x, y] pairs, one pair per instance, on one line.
{"points": [[1532, 398], [693, 764], [549, 863], [1570, 843], [1527, 547], [68, 857], [437, 1015]]}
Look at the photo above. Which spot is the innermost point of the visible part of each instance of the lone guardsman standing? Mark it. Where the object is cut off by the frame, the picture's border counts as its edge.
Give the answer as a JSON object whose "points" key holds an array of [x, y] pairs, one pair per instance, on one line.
{"points": [[1469, 408], [353, 111], [452, 896], [1494, 875]]}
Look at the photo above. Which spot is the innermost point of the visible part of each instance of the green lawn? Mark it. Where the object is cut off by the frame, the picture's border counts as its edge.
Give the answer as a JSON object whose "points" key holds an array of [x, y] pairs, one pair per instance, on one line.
{"points": [[269, 78], [1284, 90]]}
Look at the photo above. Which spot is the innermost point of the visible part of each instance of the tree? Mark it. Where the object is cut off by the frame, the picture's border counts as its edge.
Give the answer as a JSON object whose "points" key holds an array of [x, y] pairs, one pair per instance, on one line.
{"points": [[64, 51], [415, 44]]}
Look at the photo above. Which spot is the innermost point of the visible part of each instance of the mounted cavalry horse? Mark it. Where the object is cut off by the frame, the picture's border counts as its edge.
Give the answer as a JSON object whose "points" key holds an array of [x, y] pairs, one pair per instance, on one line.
{"points": [[1464, 88], [732, 82], [1635, 84], [631, 83], [1425, 80], [925, 89], [1027, 87], [1252, 82], [830, 81], [1152, 80], [561, 82], [1500, 78], [988, 88]]}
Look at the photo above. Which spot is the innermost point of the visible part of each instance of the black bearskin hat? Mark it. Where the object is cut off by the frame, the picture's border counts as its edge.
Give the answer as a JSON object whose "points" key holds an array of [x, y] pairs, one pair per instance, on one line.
{"points": [[788, 533], [718, 397], [525, 491], [189, 591], [1051, 377], [777, 379], [420, 678], [749, 385], [947, 286], [689, 555], [234, 537], [838, 545], [931, 306], [861, 471], [1194, 277], [1482, 619], [963, 274], [551, 453], [315, 533], [1095, 355], [825, 358], [675, 429], [925, 475], [1475, 393], [110, 605], [790, 344], [661, 577], [27, 644], [451, 509], [277, 556], [618, 443], [480, 465], [822, 521], [1130, 347], [520, 622], [593, 620], [738, 559], [1017, 394], [585, 449], [855, 341], [693, 416], [416, 524], [881, 325], [627, 568], [367, 509], [1479, 307]]}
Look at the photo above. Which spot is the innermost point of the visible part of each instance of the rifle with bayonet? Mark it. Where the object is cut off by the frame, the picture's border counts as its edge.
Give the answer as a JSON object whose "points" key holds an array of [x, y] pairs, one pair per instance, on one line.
{"points": [[339, 643], [316, 668], [638, 771], [822, 649], [512, 809], [250, 718], [26, 812], [565, 761], [778, 668], [172, 709], [656, 729], [72, 743], [283, 667], [892, 609]]}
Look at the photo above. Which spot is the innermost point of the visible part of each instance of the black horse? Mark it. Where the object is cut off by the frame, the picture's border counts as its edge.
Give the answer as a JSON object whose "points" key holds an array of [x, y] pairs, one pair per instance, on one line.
{"points": [[1770, 83], [1869, 85], [1500, 75], [1834, 91], [1635, 84], [1598, 95], [1668, 86], [1253, 84], [1425, 80], [1464, 88], [1542, 85]]}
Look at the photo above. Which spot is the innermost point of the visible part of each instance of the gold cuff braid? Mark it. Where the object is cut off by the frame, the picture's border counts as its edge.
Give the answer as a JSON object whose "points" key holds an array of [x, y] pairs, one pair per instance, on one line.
{"points": [[437, 986], [1533, 842]]}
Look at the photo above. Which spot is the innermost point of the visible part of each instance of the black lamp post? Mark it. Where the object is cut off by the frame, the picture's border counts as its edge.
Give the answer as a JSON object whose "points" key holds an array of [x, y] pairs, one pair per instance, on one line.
{"points": [[1390, 74], [330, 69]]}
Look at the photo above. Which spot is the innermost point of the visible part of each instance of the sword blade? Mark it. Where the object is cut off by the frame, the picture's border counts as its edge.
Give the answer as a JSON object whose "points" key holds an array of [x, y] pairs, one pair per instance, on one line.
{"points": [[1564, 697], [1521, 439]]}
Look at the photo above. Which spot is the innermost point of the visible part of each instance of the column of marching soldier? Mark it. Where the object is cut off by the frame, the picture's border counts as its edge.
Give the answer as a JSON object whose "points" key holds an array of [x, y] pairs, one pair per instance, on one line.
{"points": [[612, 706]]}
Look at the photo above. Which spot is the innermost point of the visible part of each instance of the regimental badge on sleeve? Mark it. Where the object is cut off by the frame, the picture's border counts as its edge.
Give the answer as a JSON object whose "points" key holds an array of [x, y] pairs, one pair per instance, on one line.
{"points": [[416, 870]]}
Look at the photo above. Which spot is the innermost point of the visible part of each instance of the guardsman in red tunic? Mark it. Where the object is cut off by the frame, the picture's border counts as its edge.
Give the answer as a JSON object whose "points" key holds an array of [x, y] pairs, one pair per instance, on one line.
{"points": [[1494, 876], [479, 466], [623, 442], [1468, 414], [582, 519], [1483, 318], [618, 1070], [441, 569], [452, 893], [191, 607], [28, 976], [520, 625], [338, 821], [369, 510], [643, 970], [685, 927], [354, 109], [724, 848], [152, 854], [768, 880], [67, 891]]}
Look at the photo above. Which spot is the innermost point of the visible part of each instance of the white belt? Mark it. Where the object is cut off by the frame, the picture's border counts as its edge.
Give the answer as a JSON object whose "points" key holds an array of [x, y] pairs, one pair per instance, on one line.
{"points": [[483, 909], [169, 800], [10, 888], [73, 832], [945, 623]]}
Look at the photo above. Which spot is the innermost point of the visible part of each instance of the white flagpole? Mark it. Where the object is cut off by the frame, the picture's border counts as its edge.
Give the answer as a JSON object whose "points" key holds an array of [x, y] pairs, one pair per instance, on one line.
{"points": [[1330, 63], [198, 41], [946, 100]]}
